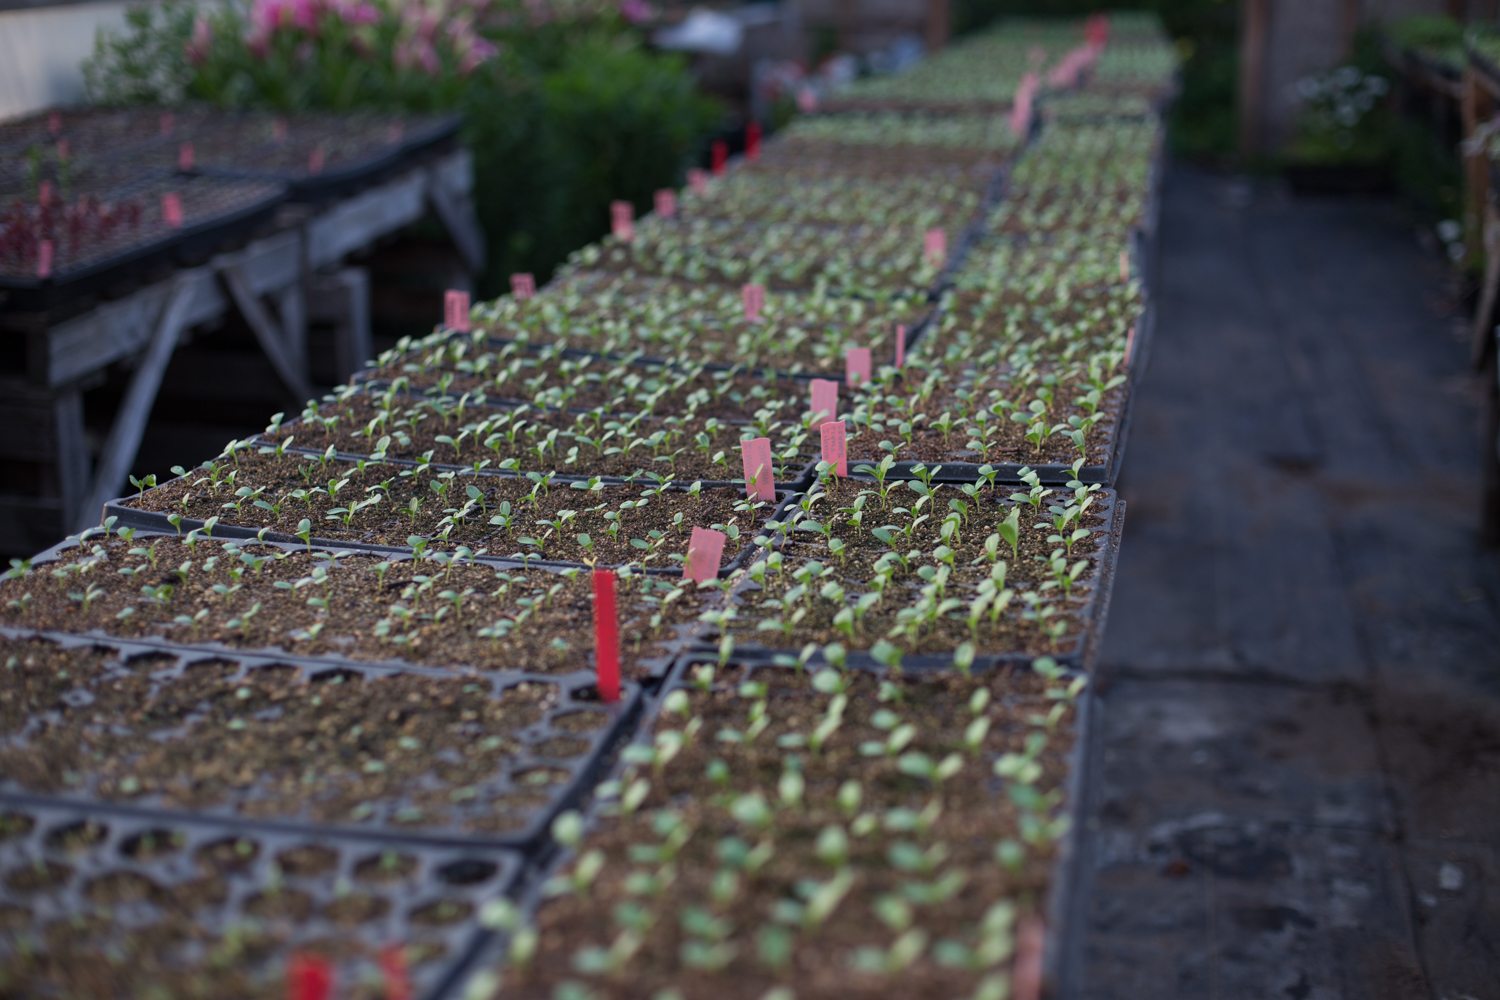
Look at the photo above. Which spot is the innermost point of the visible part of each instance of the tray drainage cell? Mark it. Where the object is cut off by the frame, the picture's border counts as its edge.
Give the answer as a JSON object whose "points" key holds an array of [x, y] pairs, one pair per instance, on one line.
{"points": [[400, 756], [96, 904]]}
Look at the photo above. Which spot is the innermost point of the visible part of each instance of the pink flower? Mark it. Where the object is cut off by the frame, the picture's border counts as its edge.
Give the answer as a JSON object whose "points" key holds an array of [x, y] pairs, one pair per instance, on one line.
{"points": [[636, 11], [201, 42], [360, 13]]}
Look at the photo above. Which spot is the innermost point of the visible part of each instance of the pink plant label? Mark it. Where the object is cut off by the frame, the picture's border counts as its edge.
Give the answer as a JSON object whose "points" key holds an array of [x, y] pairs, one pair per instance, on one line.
{"points": [[753, 297], [698, 180], [935, 246], [1026, 978], [44, 193], [760, 480], [719, 156], [705, 553], [309, 977], [900, 345], [168, 123], [835, 450], [64, 150], [606, 636], [54, 122], [622, 220], [522, 286], [857, 366], [44, 260], [185, 157], [825, 401], [1021, 110], [316, 160], [666, 203], [456, 310], [807, 100], [171, 210]]}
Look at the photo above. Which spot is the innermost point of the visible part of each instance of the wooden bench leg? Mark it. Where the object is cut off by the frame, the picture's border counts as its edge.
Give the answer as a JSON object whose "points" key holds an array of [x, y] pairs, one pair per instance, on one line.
{"points": [[342, 300]]}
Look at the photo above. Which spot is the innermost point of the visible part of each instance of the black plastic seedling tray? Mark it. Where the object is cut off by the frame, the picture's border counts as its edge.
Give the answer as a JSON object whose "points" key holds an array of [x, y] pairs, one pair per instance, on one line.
{"points": [[1078, 656], [76, 852], [196, 239], [652, 668], [126, 516], [244, 810]]}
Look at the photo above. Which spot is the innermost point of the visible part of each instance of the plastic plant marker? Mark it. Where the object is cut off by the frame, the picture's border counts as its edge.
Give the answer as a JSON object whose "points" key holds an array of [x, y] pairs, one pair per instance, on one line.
{"points": [[168, 123], [825, 401], [857, 366], [760, 479], [64, 149], [606, 636], [522, 286], [622, 220], [835, 446], [719, 156], [666, 203], [394, 972], [44, 252], [752, 141], [753, 297], [456, 310], [44, 193], [1021, 108], [807, 100], [54, 122], [705, 553], [900, 345], [309, 977], [185, 157], [698, 180], [171, 210], [1124, 266], [316, 160], [1026, 980], [935, 247], [1129, 346]]}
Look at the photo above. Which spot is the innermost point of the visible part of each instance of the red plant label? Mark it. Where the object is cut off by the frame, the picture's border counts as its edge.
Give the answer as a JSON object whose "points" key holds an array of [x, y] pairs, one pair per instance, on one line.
{"points": [[704, 554], [666, 203], [698, 180], [900, 345], [171, 210], [309, 977], [753, 297], [752, 141], [857, 366], [935, 247], [606, 636], [393, 970], [719, 156], [522, 286], [44, 260], [760, 479], [835, 446], [622, 220], [456, 310], [825, 401]]}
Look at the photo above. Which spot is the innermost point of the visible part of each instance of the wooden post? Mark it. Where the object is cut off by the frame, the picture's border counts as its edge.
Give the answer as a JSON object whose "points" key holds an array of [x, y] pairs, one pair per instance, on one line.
{"points": [[1255, 26]]}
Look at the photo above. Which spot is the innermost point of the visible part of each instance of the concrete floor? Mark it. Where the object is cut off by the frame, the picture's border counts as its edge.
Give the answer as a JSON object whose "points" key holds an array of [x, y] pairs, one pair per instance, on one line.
{"points": [[1295, 788]]}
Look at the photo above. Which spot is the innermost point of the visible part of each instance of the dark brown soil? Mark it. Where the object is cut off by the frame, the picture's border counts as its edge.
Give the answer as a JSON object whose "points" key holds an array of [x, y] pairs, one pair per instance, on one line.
{"points": [[455, 615], [703, 899]]}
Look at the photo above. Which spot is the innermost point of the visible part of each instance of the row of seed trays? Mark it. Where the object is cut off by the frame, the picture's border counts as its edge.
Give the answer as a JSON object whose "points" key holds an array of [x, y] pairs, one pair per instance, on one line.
{"points": [[88, 194], [716, 619]]}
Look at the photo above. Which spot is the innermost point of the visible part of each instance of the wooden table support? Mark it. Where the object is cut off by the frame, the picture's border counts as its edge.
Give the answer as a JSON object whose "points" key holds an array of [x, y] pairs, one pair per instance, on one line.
{"points": [[266, 283]]}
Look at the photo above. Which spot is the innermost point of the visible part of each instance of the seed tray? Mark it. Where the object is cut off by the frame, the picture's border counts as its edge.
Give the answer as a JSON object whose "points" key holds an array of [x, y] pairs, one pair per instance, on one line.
{"points": [[248, 806], [1051, 474], [126, 516], [252, 204], [1079, 656], [89, 899], [1066, 902], [649, 668]]}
